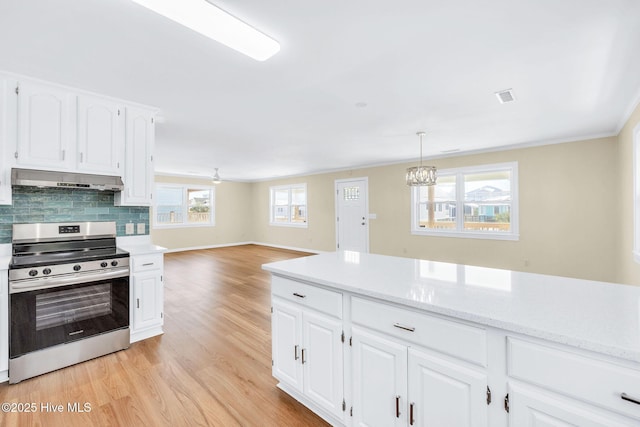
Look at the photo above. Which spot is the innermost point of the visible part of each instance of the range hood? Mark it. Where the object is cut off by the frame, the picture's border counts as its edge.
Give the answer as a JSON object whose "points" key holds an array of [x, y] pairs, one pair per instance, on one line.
{"points": [[40, 178]]}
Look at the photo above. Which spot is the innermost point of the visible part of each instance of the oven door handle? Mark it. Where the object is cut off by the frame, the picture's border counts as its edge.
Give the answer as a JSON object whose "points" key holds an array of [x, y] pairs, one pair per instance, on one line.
{"points": [[54, 282]]}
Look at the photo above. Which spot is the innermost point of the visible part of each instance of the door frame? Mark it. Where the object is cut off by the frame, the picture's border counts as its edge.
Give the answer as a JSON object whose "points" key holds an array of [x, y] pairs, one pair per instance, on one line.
{"points": [[365, 179]]}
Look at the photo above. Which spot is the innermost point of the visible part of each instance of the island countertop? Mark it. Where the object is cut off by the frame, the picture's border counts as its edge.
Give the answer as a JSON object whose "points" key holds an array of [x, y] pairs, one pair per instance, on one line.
{"points": [[596, 316]]}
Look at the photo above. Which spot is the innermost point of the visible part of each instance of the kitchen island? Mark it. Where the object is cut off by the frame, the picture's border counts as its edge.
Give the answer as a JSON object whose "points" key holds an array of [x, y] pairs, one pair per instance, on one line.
{"points": [[367, 339]]}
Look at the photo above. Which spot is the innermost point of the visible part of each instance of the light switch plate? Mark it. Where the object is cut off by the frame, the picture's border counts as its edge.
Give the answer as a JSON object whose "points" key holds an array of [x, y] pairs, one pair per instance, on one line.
{"points": [[141, 228], [128, 228]]}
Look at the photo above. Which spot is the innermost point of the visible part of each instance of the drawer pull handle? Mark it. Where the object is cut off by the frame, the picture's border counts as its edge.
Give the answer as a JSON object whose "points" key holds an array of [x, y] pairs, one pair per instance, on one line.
{"points": [[411, 419], [147, 264], [303, 358], [397, 406], [406, 328], [295, 294], [295, 352], [625, 396]]}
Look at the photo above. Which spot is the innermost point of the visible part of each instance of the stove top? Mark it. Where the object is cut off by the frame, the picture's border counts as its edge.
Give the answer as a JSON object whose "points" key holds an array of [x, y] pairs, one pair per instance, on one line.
{"points": [[80, 246]]}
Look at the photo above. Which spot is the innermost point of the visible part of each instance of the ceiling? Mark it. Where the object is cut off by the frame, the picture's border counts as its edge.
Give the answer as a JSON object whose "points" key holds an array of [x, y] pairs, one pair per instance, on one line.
{"points": [[354, 79]]}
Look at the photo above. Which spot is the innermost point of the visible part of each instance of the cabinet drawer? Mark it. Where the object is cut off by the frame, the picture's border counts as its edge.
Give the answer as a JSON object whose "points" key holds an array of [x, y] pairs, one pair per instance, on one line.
{"points": [[595, 381], [146, 262], [307, 295], [456, 339]]}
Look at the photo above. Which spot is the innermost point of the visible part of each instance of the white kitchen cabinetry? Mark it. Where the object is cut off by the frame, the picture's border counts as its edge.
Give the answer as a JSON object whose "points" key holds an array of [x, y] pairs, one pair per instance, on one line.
{"points": [[4, 324], [147, 296], [438, 351], [308, 341], [379, 380], [100, 135], [536, 407], [413, 385], [46, 126], [138, 168], [533, 367], [7, 133]]}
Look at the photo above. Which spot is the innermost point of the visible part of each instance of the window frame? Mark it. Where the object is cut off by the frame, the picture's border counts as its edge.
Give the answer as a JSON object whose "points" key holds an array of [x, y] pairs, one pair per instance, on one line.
{"points": [[289, 188], [185, 206], [459, 173]]}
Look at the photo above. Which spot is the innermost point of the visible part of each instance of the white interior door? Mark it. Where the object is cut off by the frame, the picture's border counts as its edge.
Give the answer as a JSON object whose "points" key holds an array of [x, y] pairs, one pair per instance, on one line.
{"points": [[352, 215]]}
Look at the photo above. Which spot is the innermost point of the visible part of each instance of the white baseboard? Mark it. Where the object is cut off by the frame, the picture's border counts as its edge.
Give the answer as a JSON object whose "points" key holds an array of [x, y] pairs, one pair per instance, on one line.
{"points": [[225, 245], [195, 248]]}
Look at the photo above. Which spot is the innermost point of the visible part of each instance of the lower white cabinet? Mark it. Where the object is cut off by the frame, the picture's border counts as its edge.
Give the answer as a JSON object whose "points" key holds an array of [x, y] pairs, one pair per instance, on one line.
{"points": [[400, 366], [534, 407], [308, 354], [397, 385], [4, 325], [308, 345], [147, 296], [445, 393], [379, 370]]}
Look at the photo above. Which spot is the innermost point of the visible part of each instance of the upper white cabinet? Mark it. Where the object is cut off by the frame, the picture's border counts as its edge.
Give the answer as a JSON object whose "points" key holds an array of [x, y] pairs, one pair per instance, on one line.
{"points": [[46, 119], [7, 134], [51, 127], [100, 135], [138, 168]]}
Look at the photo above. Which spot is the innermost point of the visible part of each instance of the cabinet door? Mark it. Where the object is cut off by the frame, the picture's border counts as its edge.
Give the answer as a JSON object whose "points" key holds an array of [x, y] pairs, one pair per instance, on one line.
{"points": [[4, 320], [322, 361], [100, 135], [379, 380], [444, 393], [7, 137], [533, 407], [45, 127], [148, 300], [138, 176], [286, 336]]}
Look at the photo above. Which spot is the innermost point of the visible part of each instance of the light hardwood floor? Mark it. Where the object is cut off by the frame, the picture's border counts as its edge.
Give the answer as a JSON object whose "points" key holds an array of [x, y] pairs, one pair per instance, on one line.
{"points": [[211, 367]]}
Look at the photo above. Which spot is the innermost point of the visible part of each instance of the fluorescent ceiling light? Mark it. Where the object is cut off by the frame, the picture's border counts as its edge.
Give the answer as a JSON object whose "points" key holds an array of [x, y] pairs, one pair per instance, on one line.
{"points": [[215, 23]]}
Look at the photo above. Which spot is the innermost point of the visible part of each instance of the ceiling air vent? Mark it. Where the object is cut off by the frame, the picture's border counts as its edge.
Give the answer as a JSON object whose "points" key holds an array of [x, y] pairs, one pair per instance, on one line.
{"points": [[505, 96]]}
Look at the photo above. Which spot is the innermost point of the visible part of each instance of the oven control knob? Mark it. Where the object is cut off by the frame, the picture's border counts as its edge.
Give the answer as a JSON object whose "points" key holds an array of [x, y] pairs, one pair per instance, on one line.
{"points": [[114, 263], [33, 273], [46, 271], [103, 264], [77, 267]]}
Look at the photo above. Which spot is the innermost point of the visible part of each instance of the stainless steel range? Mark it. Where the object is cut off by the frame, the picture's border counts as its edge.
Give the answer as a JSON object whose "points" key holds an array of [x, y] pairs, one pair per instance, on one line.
{"points": [[68, 296]]}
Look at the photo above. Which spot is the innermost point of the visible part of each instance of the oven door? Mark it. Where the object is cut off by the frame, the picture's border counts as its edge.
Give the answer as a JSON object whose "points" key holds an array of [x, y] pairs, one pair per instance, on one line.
{"points": [[44, 318]]}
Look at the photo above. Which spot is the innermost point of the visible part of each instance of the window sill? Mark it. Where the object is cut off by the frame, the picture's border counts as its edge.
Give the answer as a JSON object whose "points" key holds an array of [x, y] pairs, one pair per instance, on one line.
{"points": [[467, 235]]}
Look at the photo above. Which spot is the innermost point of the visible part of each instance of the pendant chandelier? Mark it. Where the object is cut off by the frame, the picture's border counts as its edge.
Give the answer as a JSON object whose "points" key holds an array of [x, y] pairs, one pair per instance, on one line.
{"points": [[421, 175]]}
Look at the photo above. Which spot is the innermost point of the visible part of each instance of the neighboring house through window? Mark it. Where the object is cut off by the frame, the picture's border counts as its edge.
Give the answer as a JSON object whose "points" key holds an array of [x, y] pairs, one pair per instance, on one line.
{"points": [[184, 205], [288, 205], [477, 202]]}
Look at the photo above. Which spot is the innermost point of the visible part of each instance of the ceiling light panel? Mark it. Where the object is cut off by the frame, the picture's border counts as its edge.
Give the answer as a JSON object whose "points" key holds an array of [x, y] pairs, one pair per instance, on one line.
{"points": [[215, 23]]}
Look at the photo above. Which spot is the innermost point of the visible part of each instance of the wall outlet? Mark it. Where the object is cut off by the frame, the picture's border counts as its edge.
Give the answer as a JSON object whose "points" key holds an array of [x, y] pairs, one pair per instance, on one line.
{"points": [[141, 228], [128, 228]]}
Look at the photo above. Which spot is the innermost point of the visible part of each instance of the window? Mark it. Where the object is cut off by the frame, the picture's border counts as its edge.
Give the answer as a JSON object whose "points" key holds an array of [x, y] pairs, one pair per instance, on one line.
{"points": [[184, 206], [289, 205], [478, 202]]}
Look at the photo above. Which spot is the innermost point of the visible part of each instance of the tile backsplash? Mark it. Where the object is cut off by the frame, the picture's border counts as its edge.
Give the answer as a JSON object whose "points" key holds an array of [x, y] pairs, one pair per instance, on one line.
{"points": [[33, 204]]}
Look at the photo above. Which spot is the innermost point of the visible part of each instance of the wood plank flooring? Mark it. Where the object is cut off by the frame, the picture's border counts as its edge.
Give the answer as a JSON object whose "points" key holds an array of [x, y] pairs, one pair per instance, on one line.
{"points": [[212, 366]]}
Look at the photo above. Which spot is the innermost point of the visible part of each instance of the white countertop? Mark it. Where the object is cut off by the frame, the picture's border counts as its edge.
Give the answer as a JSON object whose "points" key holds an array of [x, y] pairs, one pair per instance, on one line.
{"points": [[596, 316], [138, 245]]}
